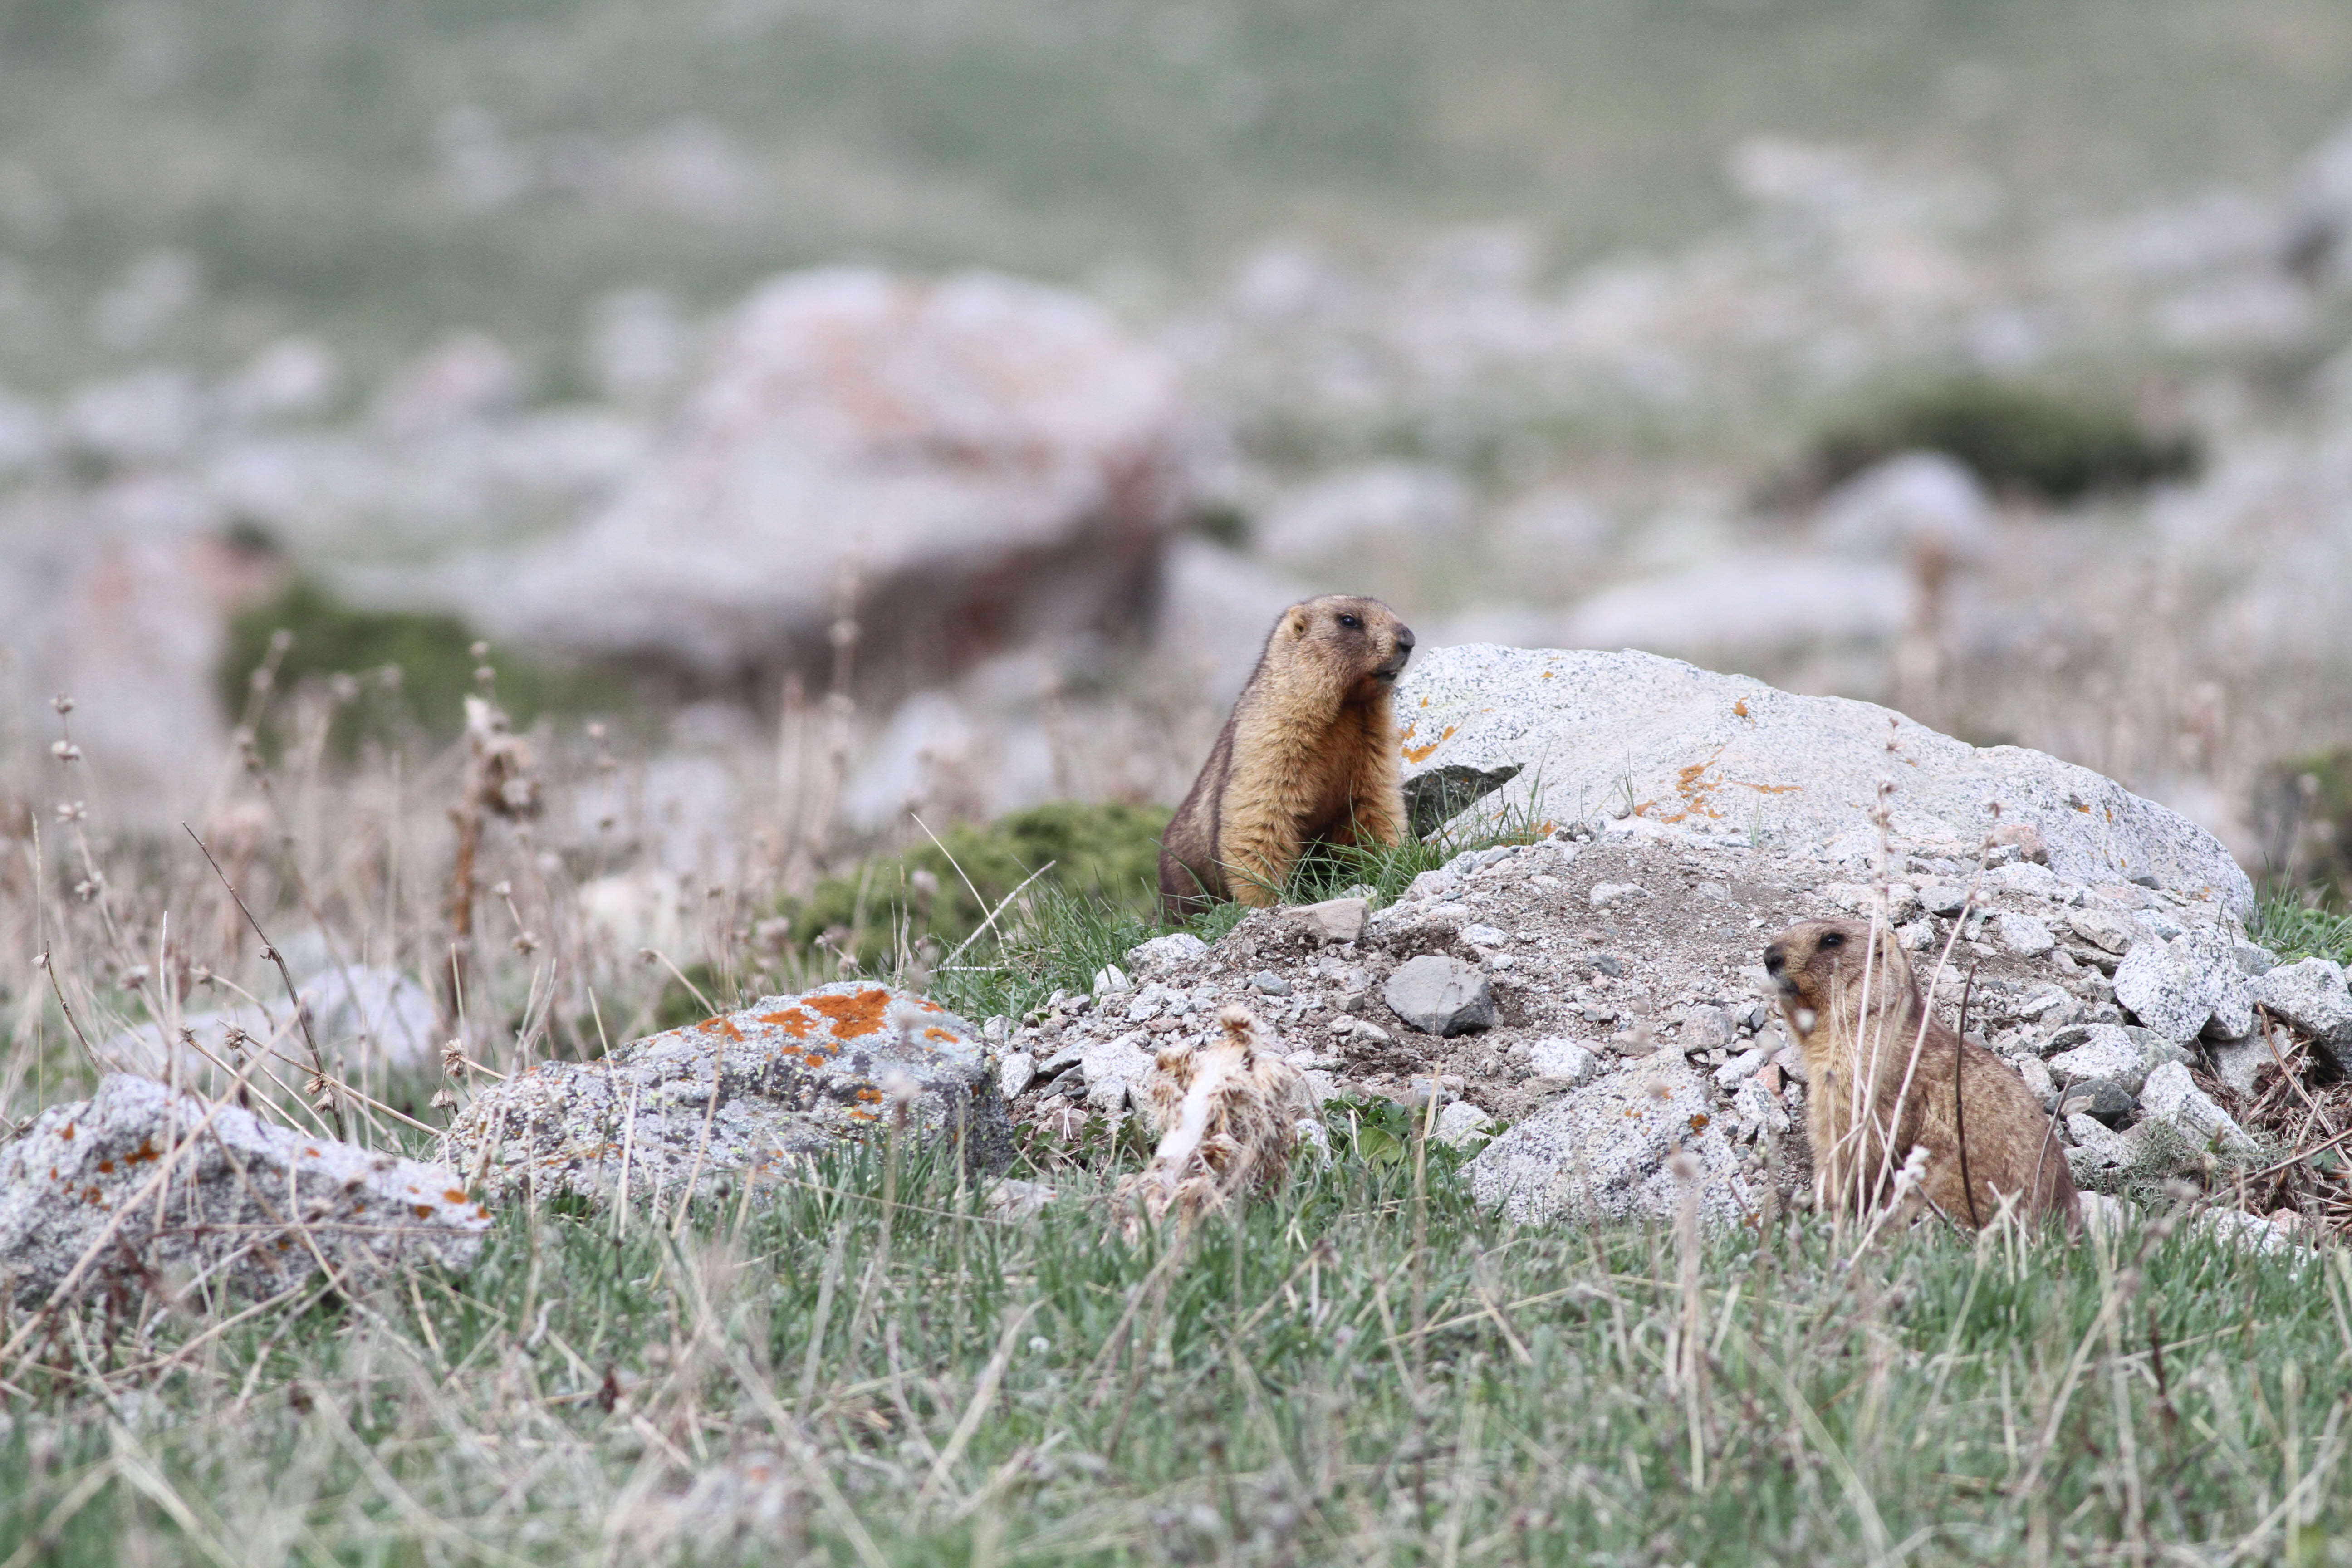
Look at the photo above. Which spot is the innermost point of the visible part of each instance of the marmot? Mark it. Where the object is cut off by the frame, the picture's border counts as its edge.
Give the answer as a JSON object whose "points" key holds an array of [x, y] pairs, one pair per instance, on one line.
{"points": [[1310, 754], [1991, 1141]]}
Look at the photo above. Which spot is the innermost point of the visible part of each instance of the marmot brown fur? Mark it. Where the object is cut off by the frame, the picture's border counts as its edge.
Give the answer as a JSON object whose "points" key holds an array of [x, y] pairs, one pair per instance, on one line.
{"points": [[1310, 754], [1871, 1047]]}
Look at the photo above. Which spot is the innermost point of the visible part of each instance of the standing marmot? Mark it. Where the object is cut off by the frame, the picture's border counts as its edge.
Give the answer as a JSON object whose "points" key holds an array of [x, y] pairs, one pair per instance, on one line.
{"points": [[1309, 754], [1883, 1055]]}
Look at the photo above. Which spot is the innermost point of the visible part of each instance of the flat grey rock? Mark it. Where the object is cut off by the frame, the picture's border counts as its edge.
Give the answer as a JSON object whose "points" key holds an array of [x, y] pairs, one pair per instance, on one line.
{"points": [[1462, 1123], [1333, 919], [248, 1202], [1601, 1151], [750, 1092], [1440, 995], [1729, 755], [2310, 994], [1171, 952]]}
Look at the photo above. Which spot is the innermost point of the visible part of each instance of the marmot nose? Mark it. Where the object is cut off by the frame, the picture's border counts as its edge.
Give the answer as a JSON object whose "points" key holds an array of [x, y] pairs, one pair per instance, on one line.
{"points": [[1404, 639]]}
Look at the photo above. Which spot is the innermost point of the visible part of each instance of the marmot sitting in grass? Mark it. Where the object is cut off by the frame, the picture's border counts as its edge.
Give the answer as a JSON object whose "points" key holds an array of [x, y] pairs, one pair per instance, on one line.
{"points": [[1880, 1075], [1309, 755]]}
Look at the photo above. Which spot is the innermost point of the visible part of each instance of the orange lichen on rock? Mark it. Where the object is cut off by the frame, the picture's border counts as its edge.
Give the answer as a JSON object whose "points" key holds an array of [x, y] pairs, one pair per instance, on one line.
{"points": [[1697, 790], [852, 1016], [720, 1025], [936, 1032], [1422, 753], [792, 1021]]}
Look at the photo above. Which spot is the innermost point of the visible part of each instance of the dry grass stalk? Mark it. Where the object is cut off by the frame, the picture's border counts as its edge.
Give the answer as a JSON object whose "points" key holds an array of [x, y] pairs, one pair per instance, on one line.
{"points": [[1227, 1114]]}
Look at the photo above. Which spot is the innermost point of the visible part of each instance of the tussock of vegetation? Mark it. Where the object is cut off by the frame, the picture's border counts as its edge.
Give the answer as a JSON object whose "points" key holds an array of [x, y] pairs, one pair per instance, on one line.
{"points": [[2019, 438]]}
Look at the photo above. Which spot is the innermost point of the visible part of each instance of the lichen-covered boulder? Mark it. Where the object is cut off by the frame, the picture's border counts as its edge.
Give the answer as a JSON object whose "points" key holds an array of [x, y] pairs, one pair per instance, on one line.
{"points": [[748, 1093], [251, 1205], [1575, 734]]}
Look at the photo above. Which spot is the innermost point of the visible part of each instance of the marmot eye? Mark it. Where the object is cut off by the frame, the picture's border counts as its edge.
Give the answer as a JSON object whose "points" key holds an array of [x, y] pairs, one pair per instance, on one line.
{"points": [[1834, 939], [1349, 621]]}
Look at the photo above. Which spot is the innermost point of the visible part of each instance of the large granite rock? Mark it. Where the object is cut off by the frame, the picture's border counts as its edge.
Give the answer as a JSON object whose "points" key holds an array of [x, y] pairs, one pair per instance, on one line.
{"points": [[1618, 734], [749, 1092], [255, 1205], [991, 460]]}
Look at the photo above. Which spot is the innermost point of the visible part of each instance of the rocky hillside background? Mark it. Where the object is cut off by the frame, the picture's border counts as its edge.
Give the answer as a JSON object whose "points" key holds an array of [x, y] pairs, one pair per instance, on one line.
{"points": [[819, 431]]}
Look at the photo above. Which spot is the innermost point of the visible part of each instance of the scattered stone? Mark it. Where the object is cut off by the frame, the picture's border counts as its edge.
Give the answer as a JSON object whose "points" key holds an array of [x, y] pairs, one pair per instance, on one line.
{"points": [[1015, 1073], [1745, 1065], [751, 1092], [2252, 958], [1704, 1028], [1483, 936], [2102, 1099], [246, 1200], [1440, 995], [1605, 894], [1113, 1068], [2037, 1077], [2170, 1096], [1269, 983], [1567, 1060], [1334, 921], [2167, 990], [2111, 933], [2235, 1062], [1462, 1123], [1432, 884], [2312, 995], [1603, 1153], [1943, 899], [1110, 980], [2023, 935], [2108, 1053]]}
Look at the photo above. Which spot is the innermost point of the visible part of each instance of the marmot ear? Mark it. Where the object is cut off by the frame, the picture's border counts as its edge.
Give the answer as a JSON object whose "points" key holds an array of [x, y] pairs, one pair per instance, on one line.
{"points": [[1298, 620]]}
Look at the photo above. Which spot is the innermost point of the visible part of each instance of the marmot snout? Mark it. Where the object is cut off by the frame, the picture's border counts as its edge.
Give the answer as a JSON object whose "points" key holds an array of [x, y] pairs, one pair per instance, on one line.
{"points": [[1309, 756], [1884, 1078]]}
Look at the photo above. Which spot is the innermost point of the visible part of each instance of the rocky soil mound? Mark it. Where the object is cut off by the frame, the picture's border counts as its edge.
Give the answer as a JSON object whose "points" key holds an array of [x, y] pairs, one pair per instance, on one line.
{"points": [[1594, 1001]]}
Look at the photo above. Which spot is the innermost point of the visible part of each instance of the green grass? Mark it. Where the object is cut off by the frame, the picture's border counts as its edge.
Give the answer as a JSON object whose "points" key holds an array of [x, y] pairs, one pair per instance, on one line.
{"points": [[2292, 926], [1061, 933], [1365, 1369]]}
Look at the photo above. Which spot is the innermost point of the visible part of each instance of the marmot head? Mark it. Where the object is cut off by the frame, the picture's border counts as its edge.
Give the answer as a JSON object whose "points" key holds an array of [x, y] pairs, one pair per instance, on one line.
{"points": [[1351, 648], [1817, 968]]}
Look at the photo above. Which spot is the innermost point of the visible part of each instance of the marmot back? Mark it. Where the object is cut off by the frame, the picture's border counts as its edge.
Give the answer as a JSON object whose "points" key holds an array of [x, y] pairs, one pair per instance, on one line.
{"points": [[1309, 756], [1883, 1077]]}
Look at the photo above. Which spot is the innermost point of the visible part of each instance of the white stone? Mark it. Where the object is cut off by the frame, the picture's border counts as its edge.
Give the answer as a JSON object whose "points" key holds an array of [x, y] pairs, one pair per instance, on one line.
{"points": [[2168, 987], [1746, 1065], [2110, 1054], [1698, 747], [1462, 1123], [2023, 935], [1015, 1073], [1605, 894], [224, 1210], [1568, 1060], [1943, 899], [1909, 502], [2312, 995], [1483, 936], [1602, 1152], [2110, 931], [1333, 919], [1110, 980], [2170, 1096]]}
